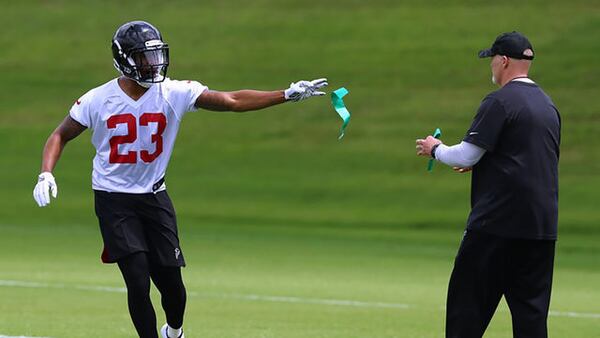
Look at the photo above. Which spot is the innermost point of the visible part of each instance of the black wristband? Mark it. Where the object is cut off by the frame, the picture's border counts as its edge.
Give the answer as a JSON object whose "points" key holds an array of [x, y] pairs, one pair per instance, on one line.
{"points": [[433, 150]]}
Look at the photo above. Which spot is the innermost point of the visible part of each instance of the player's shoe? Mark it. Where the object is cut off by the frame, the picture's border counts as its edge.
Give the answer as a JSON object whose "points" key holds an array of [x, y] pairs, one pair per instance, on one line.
{"points": [[163, 332]]}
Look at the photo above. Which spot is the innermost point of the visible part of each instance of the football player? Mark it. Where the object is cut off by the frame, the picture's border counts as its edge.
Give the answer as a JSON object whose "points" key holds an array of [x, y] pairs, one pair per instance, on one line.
{"points": [[134, 120]]}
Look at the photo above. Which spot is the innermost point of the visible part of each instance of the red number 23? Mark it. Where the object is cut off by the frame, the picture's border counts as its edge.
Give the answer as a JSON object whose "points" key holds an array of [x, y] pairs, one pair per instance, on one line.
{"points": [[131, 136]]}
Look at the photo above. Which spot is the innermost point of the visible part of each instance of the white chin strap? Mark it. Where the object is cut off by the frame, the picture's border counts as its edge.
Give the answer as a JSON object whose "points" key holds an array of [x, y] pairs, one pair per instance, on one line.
{"points": [[145, 84]]}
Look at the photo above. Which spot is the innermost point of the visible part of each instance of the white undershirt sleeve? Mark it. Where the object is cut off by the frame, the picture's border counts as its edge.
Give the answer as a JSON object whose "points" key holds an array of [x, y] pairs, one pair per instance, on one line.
{"points": [[463, 155]]}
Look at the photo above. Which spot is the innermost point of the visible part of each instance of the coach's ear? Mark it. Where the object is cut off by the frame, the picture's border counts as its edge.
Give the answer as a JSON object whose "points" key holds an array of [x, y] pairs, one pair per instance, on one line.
{"points": [[505, 61]]}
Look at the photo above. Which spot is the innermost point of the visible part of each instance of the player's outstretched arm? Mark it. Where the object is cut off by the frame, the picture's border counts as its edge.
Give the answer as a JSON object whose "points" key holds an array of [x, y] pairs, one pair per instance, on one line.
{"points": [[66, 131], [247, 100]]}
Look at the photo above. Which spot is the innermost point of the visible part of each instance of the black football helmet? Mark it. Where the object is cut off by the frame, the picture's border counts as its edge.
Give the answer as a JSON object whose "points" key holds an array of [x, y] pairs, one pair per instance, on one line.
{"points": [[140, 53]]}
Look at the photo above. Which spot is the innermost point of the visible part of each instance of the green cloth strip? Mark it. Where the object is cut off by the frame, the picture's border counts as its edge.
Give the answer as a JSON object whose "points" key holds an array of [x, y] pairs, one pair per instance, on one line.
{"points": [[340, 108], [436, 134]]}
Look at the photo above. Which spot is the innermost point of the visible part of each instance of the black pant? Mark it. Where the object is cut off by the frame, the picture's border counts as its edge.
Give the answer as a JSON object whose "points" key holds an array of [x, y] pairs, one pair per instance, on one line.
{"points": [[137, 270], [488, 267]]}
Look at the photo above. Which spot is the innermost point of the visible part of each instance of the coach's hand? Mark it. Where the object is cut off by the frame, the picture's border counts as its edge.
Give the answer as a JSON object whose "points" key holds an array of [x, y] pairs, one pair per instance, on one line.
{"points": [[462, 170], [46, 185], [424, 146], [302, 90]]}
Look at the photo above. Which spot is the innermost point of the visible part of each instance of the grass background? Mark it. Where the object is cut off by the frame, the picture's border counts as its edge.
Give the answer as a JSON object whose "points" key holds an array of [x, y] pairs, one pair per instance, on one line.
{"points": [[270, 203]]}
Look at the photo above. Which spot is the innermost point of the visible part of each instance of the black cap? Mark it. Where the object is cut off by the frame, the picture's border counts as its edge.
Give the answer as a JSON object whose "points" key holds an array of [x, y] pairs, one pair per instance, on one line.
{"points": [[514, 45]]}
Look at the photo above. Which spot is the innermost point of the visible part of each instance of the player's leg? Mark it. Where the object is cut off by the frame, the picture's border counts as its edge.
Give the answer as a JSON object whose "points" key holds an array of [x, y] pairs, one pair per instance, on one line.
{"points": [[166, 257], [136, 273], [125, 243], [169, 283], [475, 287], [529, 287]]}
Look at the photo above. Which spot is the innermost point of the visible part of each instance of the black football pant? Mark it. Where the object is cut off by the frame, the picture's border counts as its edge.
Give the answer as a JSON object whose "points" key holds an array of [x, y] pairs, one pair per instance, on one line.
{"points": [[488, 267], [137, 270]]}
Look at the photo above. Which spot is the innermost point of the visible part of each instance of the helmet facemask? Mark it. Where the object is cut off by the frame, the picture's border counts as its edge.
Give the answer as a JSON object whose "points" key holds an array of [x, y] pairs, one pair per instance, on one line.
{"points": [[147, 65]]}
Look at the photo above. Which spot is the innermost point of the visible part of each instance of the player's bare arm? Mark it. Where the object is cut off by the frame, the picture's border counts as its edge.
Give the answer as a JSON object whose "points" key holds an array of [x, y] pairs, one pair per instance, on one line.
{"points": [[247, 100], [66, 131], [239, 101]]}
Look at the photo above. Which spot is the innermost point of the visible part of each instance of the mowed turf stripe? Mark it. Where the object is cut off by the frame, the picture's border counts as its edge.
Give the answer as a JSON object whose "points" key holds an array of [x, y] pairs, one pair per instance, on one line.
{"points": [[262, 298]]}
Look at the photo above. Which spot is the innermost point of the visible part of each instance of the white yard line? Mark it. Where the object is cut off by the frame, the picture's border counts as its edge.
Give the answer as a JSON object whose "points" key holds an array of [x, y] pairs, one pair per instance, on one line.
{"points": [[319, 301], [260, 298], [574, 314], [1, 336]]}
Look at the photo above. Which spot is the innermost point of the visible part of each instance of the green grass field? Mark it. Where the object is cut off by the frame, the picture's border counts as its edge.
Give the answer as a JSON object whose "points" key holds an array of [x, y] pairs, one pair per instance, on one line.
{"points": [[288, 232]]}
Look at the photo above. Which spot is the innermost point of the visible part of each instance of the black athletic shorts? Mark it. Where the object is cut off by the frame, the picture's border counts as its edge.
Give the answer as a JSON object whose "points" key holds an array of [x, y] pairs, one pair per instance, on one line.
{"points": [[138, 222]]}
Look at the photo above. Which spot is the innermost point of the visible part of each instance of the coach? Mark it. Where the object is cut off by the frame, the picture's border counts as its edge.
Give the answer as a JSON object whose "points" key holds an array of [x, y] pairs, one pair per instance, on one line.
{"points": [[512, 149]]}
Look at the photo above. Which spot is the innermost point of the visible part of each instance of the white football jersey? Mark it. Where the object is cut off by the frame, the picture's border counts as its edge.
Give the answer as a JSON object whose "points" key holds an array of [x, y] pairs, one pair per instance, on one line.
{"points": [[134, 139]]}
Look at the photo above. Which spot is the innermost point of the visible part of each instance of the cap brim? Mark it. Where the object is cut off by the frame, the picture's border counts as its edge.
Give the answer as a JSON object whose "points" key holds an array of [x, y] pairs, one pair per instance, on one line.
{"points": [[485, 53]]}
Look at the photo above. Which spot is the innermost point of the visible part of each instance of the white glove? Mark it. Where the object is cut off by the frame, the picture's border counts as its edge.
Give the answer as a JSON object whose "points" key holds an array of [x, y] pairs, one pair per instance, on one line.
{"points": [[304, 89], [40, 192]]}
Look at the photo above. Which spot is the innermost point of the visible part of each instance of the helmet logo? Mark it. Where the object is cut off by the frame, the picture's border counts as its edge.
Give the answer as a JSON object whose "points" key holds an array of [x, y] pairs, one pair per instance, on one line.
{"points": [[528, 52], [153, 43]]}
